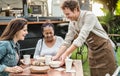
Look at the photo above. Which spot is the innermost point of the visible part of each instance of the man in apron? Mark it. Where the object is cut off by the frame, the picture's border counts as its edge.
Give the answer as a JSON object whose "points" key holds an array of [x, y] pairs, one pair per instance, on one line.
{"points": [[86, 26]]}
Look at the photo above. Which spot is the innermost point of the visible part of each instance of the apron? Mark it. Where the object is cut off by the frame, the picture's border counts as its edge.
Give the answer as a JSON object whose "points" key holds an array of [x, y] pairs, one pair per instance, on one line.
{"points": [[101, 55]]}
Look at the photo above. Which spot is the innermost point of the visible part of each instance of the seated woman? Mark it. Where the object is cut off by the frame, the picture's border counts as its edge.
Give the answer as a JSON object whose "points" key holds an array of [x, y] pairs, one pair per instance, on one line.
{"points": [[49, 44], [9, 48]]}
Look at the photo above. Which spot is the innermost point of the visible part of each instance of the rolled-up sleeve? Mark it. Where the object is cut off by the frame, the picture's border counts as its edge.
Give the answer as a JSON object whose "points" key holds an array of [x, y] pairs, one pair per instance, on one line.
{"points": [[89, 23], [69, 36]]}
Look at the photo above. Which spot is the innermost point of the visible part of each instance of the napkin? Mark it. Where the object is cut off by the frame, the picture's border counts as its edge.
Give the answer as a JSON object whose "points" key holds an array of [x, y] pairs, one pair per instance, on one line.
{"points": [[60, 69], [72, 70]]}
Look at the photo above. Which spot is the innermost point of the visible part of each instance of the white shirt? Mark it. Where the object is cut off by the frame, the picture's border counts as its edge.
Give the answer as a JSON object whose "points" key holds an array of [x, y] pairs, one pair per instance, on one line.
{"points": [[47, 50], [86, 23]]}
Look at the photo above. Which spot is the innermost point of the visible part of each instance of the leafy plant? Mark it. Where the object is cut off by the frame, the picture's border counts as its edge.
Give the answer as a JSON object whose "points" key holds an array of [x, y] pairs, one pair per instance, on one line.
{"points": [[111, 24], [104, 20], [29, 10], [117, 10], [115, 28]]}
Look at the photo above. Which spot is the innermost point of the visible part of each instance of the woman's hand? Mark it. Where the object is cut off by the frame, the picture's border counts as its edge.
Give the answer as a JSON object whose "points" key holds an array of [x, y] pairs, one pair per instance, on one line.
{"points": [[15, 69]]}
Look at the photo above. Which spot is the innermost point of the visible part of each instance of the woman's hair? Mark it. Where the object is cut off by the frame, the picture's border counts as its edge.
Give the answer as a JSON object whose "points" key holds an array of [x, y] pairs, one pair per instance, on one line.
{"points": [[13, 26], [71, 4], [45, 25]]}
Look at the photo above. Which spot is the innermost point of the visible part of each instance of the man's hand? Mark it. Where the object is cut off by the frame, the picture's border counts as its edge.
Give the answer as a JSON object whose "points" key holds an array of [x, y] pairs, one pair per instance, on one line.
{"points": [[55, 58], [62, 59]]}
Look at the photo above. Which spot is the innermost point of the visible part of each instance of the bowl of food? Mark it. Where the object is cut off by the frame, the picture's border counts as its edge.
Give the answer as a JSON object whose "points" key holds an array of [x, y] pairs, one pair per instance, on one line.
{"points": [[55, 64]]}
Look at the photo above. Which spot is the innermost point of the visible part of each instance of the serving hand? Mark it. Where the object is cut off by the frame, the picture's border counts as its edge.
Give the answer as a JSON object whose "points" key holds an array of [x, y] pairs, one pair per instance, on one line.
{"points": [[62, 59]]}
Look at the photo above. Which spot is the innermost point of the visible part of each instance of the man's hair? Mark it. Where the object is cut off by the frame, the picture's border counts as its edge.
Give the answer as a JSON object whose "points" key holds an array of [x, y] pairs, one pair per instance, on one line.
{"points": [[71, 4]]}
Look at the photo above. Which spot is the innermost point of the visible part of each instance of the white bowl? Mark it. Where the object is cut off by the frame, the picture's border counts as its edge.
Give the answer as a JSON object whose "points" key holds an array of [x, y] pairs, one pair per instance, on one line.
{"points": [[55, 64]]}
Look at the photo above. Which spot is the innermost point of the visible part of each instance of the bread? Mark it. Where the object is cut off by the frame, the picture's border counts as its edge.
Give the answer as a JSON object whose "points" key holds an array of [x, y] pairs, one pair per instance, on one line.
{"points": [[39, 69], [37, 63], [40, 59]]}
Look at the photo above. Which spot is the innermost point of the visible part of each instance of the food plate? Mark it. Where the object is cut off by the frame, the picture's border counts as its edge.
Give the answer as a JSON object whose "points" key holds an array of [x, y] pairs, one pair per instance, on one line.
{"points": [[55, 64], [39, 69]]}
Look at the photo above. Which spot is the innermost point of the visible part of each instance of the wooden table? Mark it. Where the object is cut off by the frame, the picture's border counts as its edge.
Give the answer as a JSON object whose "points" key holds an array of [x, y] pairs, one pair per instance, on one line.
{"points": [[40, 22], [77, 66]]}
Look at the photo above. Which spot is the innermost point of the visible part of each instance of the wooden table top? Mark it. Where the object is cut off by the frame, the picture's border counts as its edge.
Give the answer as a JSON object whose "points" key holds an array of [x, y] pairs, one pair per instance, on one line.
{"points": [[77, 66], [40, 22]]}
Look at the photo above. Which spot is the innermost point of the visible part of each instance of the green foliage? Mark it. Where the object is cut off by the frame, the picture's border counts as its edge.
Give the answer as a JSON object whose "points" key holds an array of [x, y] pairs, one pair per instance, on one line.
{"points": [[117, 10], [108, 4], [115, 28], [107, 18], [118, 56], [111, 24], [104, 20], [29, 10]]}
